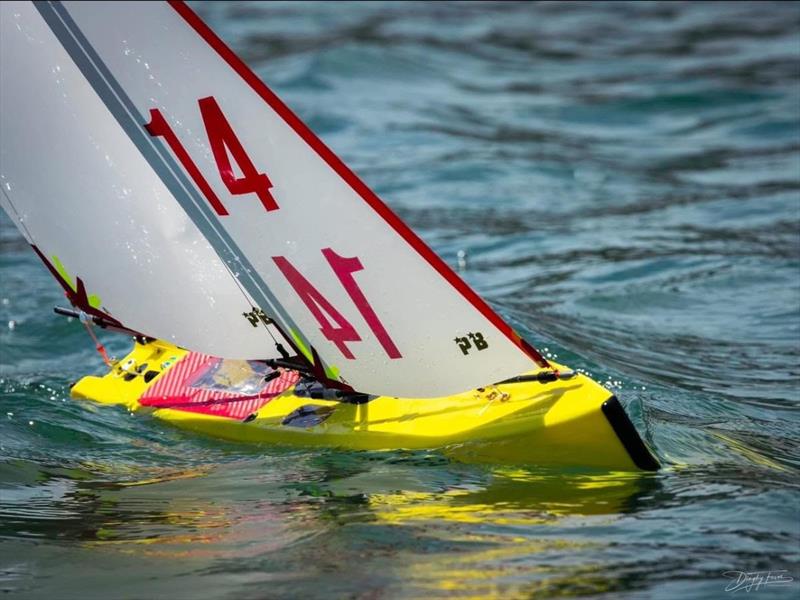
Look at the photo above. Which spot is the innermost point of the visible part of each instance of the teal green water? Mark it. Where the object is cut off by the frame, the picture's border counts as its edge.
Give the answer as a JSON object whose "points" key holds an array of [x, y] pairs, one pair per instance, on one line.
{"points": [[625, 182]]}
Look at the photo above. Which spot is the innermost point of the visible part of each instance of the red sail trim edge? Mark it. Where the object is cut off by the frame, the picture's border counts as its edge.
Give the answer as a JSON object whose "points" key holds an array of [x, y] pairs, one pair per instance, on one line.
{"points": [[333, 161]]}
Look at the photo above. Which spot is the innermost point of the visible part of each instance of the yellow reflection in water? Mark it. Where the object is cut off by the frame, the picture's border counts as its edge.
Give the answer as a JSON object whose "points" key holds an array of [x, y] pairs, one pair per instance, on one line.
{"points": [[515, 496], [478, 535], [497, 550]]}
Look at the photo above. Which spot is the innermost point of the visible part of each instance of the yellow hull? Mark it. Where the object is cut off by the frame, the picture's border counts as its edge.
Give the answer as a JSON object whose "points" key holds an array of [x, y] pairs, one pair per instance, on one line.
{"points": [[570, 423]]}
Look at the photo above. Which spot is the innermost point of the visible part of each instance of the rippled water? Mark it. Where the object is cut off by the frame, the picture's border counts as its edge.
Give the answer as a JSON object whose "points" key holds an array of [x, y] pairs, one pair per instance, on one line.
{"points": [[625, 181]]}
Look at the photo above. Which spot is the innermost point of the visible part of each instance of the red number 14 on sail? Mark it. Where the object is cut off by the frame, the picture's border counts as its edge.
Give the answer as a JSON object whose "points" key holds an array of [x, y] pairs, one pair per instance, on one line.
{"points": [[224, 144]]}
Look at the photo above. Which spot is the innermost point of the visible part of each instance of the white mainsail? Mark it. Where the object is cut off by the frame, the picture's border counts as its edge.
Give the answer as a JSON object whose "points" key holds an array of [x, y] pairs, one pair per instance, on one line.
{"points": [[156, 150]]}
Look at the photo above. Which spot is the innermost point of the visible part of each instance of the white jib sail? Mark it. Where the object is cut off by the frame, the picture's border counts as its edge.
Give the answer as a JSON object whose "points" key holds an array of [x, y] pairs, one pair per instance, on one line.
{"points": [[186, 162]]}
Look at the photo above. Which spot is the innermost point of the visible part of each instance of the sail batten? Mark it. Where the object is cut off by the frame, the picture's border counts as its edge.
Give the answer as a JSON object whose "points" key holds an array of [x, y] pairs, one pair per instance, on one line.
{"points": [[219, 211]]}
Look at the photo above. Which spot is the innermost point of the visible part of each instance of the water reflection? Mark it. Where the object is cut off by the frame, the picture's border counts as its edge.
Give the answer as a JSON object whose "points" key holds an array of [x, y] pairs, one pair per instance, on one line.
{"points": [[401, 524]]}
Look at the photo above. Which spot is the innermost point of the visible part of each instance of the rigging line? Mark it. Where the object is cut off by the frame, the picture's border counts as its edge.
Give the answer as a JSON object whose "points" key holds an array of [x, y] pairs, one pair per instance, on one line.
{"points": [[17, 215], [249, 300], [87, 323], [120, 105]]}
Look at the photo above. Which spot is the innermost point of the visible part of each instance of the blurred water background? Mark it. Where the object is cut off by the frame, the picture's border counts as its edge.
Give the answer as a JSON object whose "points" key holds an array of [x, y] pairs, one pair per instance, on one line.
{"points": [[625, 182]]}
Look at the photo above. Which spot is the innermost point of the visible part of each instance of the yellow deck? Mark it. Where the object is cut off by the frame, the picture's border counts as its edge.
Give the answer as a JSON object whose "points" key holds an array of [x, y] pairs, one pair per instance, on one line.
{"points": [[558, 423]]}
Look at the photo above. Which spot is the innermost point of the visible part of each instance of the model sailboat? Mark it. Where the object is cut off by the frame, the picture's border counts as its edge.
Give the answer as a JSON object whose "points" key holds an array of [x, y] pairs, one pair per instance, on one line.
{"points": [[174, 196]]}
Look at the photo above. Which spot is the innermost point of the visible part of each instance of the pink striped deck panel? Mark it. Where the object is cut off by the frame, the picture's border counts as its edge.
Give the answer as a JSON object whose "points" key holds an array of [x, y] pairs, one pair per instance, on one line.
{"points": [[172, 390]]}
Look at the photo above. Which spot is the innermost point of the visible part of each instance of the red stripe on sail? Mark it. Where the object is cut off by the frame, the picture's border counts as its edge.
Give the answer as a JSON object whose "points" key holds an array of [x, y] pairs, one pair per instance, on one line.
{"points": [[334, 162]]}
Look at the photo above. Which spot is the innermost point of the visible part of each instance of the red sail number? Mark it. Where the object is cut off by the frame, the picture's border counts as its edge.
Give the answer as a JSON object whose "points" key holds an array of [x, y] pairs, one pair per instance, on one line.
{"points": [[224, 144], [344, 269], [319, 306]]}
